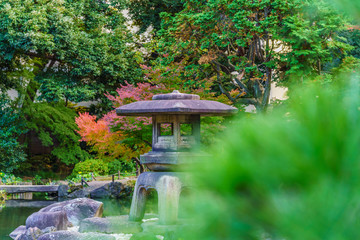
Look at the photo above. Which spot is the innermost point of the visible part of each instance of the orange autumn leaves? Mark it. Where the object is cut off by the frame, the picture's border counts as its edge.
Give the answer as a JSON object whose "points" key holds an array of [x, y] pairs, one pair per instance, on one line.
{"points": [[100, 137], [107, 136]]}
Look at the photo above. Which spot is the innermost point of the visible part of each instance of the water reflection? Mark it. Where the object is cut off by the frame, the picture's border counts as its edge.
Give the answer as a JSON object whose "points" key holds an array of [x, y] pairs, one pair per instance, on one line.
{"points": [[12, 217], [19, 207], [27, 196]]}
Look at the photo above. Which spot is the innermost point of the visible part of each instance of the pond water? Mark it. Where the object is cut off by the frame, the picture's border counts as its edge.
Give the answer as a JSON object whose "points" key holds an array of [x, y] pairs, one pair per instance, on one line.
{"points": [[15, 212]]}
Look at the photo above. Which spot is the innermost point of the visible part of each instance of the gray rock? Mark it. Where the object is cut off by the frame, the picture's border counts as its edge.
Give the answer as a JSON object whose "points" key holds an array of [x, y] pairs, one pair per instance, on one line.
{"points": [[43, 220], [30, 234], [23, 233], [67, 235], [77, 209], [81, 193], [60, 235], [49, 230], [18, 231], [118, 224], [63, 191], [11, 189], [116, 189], [112, 190], [29, 204], [101, 192]]}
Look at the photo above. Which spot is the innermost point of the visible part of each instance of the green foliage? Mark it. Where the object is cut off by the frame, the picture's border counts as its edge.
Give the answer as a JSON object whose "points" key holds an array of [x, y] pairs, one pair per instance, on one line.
{"points": [[3, 196], [352, 37], [312, 35], [95, 166], [211, 127], [240, 46], [9, 179], [351, 8], [76, 178], [122, 166], [69, 47], [56, 128], [146, 13], [45, 165], [11, 152], [50, 175], [290, 174], [37, 180], [143, 236], [62, 51], [59, 87]]}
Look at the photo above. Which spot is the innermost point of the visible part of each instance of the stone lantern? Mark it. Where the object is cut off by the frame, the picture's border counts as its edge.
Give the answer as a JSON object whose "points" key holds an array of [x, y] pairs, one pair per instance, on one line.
{"points": [[176, 129]]}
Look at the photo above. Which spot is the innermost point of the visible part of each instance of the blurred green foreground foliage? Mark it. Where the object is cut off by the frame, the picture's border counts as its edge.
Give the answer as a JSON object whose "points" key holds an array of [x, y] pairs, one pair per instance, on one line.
{"points": [[291, 174]]}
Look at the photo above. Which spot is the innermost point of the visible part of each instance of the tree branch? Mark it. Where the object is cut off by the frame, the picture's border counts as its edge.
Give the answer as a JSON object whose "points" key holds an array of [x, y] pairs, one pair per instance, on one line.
{"points": [[267, 89], [226, 93], [49, 57]]}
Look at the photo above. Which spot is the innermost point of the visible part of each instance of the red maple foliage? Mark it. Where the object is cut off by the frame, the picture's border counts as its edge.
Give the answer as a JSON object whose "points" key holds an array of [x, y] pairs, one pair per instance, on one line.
{"points": [[109, 136]]}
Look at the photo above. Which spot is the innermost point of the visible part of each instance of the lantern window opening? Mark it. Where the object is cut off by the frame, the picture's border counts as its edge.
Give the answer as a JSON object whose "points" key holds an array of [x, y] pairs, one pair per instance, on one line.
{"points": [[186, 129], [166, 129]]}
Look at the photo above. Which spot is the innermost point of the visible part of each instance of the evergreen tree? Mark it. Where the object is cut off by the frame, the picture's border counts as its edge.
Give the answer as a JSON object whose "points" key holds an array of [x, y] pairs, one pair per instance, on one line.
{"points": [[243, 46]]}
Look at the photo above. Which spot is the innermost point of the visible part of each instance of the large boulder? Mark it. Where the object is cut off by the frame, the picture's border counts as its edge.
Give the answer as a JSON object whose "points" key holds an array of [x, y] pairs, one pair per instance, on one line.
{"points": [[77, 209], [42, 220], [118, 224], [69, 235]]}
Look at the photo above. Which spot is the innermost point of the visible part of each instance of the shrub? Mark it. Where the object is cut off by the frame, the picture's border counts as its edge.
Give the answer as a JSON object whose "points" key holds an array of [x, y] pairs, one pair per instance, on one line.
{"points": [[95, 166], [122, 165], [9, 179]]}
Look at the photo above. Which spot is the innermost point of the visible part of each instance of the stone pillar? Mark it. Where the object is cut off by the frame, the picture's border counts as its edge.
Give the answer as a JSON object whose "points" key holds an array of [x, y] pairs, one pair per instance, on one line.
{"points": [[169, 189]]}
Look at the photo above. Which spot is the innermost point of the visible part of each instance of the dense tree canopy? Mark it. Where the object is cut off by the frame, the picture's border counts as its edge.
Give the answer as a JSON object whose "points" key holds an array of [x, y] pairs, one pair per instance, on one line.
{"points": [[58, 52], [243, 46], [77, 44]]}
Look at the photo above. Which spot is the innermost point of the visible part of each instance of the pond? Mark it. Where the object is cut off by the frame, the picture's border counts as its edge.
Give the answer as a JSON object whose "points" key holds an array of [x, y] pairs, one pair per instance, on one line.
{"points": [[15, 212]]}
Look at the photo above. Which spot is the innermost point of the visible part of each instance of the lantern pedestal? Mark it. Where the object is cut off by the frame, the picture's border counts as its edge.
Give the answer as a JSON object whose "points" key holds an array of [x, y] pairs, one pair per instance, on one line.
{"points": [[168, 186]]}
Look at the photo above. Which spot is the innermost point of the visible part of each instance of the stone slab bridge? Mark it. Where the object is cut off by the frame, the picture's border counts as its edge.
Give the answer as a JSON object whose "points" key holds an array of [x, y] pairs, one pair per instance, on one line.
{"points": [[61, 190]]}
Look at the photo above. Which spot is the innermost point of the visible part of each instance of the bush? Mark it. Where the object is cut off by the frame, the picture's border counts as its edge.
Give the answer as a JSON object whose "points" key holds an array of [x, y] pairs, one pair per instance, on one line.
{"points": [[95, 166], [9, 179], [123, 166]]}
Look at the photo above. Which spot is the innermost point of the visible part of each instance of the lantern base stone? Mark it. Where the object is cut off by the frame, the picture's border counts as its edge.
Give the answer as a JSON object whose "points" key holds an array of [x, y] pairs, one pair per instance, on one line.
{"points": [[168, 185]]}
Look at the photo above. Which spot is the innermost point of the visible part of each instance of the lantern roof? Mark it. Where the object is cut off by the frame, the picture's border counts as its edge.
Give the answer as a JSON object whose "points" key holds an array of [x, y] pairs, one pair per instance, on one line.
{"points": [[176, 103]]}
